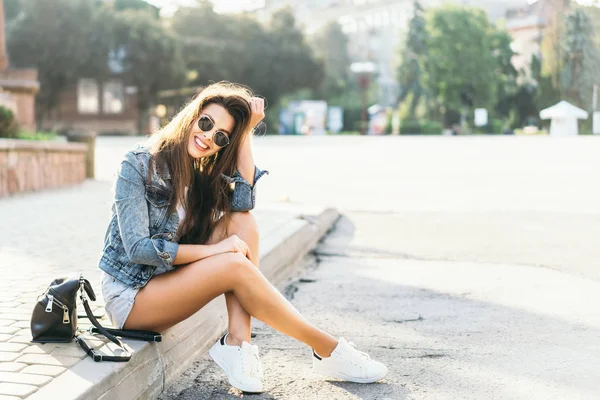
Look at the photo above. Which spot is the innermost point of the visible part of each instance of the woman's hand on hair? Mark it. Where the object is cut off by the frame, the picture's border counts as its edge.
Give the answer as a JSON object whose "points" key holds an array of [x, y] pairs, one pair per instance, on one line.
{"points": [[233, 244], [257, 105]]}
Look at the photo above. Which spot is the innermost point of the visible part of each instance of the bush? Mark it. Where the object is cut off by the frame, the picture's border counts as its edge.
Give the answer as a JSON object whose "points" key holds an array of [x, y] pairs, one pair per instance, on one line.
{"points": [[36, 135], [420, 127], [8, 124]]}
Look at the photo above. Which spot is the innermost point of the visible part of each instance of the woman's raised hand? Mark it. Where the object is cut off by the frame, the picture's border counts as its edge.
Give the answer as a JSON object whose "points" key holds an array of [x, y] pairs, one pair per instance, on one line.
{"points": [[233, 244], [257, 104]]}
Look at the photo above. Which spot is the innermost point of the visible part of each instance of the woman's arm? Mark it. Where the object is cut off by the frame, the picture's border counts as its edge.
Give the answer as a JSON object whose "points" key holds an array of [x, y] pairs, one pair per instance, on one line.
{"points": [[245, 159], [245, 164], [132, 217], [188, 253], [247, 174]]}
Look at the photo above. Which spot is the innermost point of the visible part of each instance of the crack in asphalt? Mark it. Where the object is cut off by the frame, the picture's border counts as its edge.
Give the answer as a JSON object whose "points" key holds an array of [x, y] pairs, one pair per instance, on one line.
{"points": [[401, 321]]}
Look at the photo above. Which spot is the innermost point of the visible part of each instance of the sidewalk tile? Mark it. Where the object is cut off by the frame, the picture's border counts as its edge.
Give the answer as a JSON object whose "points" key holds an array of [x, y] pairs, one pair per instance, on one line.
{"points": [[47, 359], [6, 356], [3, 397], [4, 337], [19, 377], [71, 351], [48, 370], [16, 389], [19, 324], [11, 304], [39, 348], [6, 297], [6, 322], [16, 347], [20, 339], [16, 316], [8, 329], [11, 366]]}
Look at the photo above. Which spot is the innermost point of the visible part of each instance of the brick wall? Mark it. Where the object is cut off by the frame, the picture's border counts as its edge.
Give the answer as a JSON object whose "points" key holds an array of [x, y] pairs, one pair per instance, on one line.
{"points": [[29, 166]]}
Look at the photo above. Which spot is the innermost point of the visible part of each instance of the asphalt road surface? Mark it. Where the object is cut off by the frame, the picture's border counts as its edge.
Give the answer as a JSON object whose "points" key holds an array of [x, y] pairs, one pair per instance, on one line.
{"points": [[469, 265]]}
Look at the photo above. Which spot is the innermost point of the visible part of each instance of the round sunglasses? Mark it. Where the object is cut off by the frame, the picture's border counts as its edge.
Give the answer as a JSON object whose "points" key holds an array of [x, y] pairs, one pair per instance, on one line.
{"points": [[205, 123]]}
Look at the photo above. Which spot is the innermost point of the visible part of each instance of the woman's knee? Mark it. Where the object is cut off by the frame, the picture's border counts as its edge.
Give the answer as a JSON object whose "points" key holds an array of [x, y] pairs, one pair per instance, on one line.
{"points": [[229, 268], [240, 268]]}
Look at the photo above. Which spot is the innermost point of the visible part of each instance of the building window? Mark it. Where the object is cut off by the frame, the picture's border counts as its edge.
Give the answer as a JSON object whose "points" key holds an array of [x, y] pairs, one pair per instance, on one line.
{"points": [[113, 97], [87, 96]]}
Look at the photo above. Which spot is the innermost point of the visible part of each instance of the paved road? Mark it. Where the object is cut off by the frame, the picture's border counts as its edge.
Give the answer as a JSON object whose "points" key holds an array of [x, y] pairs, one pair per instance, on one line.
{"points": [[468, 265]]}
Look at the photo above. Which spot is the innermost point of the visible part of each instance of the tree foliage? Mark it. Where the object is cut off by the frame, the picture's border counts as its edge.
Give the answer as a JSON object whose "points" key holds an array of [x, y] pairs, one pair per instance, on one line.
{"points": [[150, 56], [273, 59], [553, 33], [462, 64], [454, 58], [66, 40], [581, 58], [330, 45], [414, 55], [51, 37]]}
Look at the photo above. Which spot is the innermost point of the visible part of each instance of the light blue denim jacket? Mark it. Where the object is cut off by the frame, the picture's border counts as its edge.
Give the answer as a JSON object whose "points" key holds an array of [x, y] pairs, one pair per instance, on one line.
{"points": [[141, 236]]}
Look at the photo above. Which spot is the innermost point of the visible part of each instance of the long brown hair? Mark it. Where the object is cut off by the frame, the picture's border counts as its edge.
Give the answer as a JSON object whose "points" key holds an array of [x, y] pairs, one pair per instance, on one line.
{"points": [[208, 192]]}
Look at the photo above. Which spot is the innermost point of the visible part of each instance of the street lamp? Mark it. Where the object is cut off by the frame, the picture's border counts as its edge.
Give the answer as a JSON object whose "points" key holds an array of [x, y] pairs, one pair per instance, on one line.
{"points": [[363, 71]]}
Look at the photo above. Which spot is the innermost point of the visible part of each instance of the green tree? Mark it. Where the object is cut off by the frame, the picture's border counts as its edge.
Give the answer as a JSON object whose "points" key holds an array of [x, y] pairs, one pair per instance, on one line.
{"points": [[468, 60], [414, 55], [581, 58], [203, 50], [532, 95], [150, 55], [51, 37], [506, 74], [552, 42], [330, 45], [273, 60], [291, 64]]}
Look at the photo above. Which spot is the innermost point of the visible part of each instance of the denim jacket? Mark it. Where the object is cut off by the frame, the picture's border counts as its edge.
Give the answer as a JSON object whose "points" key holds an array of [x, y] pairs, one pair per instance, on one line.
{"points": [[141, 236]]}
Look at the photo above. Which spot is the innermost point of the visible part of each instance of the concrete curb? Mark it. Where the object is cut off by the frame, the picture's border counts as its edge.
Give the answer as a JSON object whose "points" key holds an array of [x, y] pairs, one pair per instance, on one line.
{"points": [[154, 365]]}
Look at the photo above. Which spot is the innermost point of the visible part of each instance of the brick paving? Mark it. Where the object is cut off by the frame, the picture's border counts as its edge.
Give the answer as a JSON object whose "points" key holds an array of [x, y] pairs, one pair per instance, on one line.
{"points": [[46, 235]]}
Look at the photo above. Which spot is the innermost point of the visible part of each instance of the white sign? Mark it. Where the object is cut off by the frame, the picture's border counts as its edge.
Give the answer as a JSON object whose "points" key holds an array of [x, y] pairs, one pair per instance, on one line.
{"points": [[596, 128], [481, 117], [335, 119]]}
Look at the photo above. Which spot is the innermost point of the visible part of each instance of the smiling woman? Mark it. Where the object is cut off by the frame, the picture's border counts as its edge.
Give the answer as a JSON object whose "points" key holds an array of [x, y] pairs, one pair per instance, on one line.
{"points": [[161, 266], [203, 141]]}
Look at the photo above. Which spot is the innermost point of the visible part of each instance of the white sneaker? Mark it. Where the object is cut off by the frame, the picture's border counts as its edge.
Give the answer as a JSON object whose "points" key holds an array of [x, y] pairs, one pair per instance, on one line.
{"points": [[349, 364], [241, 364]]}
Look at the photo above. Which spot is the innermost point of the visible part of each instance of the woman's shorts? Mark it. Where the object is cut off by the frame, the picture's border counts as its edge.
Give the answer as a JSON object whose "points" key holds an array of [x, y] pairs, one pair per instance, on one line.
{"points": [[118, 299]]}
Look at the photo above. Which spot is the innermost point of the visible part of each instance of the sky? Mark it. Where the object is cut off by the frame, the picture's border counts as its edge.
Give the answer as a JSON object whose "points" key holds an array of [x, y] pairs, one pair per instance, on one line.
{"points": [[221, 6]]}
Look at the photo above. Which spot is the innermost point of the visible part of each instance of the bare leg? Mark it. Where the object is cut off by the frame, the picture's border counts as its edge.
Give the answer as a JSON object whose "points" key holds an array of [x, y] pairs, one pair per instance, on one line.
{"points": [[174, 296], [244, 226]]}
